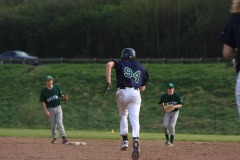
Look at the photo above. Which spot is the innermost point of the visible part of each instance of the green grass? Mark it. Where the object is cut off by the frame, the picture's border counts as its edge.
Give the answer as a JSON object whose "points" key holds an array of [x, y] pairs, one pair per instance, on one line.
{"points": [[83, 134], [206, 89]]}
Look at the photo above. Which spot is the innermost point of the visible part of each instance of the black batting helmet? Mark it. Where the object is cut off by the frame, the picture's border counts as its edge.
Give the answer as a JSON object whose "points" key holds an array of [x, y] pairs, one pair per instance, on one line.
{"points": [[128, 54]]}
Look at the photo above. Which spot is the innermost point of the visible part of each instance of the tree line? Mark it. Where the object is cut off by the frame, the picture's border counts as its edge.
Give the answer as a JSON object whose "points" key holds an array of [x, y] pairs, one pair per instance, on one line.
{"points": [[102, 28]]}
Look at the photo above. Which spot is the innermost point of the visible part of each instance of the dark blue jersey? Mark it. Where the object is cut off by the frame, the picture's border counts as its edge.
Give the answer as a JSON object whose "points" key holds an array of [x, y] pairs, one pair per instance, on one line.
{"points": [[231, 35], [130, 73]]}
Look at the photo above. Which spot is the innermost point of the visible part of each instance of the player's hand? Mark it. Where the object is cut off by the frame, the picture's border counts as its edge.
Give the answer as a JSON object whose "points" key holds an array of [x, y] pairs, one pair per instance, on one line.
{"points": [[169, 108], [163, 110], [107, 88], [65, 98], [47, 114]]}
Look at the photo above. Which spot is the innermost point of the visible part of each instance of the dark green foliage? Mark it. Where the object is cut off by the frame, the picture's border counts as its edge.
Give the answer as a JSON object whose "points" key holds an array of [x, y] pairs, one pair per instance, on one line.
{"points": [[207, 91], [102, 28]]}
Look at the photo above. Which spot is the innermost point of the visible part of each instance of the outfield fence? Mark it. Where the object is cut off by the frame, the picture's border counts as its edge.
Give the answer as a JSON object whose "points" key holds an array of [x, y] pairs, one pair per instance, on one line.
{"points": [[213, 121], [104, 60], [142, 60]]}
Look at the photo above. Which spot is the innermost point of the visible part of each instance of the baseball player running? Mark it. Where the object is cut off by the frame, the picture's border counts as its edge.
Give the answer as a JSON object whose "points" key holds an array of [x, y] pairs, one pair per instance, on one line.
{"points": [[131, 79], [231, 47], [52, 107], [170, 117]]}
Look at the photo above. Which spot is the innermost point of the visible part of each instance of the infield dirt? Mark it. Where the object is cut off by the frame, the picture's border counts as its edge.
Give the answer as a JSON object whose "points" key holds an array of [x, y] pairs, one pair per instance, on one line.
{"points": [[20, 148]]}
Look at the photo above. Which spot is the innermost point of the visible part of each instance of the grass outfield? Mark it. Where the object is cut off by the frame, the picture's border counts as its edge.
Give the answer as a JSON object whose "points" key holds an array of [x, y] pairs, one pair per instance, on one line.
{"points": [[45, 133], [207, 91]]}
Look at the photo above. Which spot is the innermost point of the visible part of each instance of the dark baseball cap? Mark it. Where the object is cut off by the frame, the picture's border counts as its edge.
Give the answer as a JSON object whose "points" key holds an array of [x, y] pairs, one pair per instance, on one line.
{"points": [[48, 78], [170, 85]]}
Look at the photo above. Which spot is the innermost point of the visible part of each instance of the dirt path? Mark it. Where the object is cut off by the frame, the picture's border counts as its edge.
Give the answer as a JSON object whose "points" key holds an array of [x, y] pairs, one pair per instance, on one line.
{"points": [[106, 149]]}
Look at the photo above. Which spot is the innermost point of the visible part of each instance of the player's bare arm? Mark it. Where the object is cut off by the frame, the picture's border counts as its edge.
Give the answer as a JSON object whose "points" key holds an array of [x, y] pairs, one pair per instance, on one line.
{"points": [[177, 106], [45, 110], [163, 108], [109, 67], [229, 52], [142, 88], [108, 71]]}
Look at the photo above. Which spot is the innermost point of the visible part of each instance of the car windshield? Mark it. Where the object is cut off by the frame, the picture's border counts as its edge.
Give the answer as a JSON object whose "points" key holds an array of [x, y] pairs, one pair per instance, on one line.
{"points": [[22, 54]]}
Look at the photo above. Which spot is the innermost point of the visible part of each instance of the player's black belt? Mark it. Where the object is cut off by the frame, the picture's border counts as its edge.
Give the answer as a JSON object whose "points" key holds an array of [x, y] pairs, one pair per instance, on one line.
{"points": [[135, 88], [52, 106]]}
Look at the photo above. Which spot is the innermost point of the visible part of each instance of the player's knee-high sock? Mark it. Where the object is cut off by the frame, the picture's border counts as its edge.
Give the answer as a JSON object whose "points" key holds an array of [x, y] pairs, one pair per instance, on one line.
{"points": [[135, 138], [171, 138], [167, 137], [125, 138]]}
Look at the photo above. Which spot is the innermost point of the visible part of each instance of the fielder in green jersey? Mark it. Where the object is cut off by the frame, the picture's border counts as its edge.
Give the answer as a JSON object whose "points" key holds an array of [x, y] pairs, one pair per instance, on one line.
{"points": [[170, 118], [50, 98]]}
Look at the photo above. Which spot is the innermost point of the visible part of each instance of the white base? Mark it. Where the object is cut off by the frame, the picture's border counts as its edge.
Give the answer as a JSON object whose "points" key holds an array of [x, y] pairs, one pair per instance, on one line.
{"points": [[76, 143]]}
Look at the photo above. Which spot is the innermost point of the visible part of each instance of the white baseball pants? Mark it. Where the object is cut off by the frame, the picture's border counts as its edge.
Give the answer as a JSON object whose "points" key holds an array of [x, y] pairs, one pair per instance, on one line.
{"points": [[129, 103], [237, 93], [56, 121], [170, 120]]}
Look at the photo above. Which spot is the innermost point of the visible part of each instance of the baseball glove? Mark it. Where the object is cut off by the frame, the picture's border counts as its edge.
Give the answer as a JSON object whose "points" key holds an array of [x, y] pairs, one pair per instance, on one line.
{"points": [[107, 88], [65, 98], [168, 108]]}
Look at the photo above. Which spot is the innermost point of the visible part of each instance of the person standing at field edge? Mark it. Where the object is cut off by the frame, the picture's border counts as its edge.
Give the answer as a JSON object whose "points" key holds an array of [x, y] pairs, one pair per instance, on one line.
{"points": [[50, 98], [231, 46], [170, 98]]}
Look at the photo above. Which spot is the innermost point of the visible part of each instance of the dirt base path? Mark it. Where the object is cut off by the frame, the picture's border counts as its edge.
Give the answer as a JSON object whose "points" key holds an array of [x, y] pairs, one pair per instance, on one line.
{"points": [[20, 148]]}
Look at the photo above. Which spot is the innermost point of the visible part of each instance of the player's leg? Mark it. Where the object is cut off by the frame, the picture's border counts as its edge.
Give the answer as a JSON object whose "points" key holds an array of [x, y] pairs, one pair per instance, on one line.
{"points": [[172, 125], [134, 110], [166, 121], [59, 117], [237, 93], [52, 120], [123, 114], [123, 122]]}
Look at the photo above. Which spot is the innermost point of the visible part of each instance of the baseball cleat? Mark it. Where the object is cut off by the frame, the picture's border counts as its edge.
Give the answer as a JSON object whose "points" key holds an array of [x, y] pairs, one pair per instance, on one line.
{"points": [[124, 145], [171, 143], [64, 140], [54, 141], [167, 142], [136, 150]]}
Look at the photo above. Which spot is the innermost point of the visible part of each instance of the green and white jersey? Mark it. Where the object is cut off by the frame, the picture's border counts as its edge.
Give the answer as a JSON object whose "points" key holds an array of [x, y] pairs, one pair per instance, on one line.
{"points": [[51, 97], [173, 99]]}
